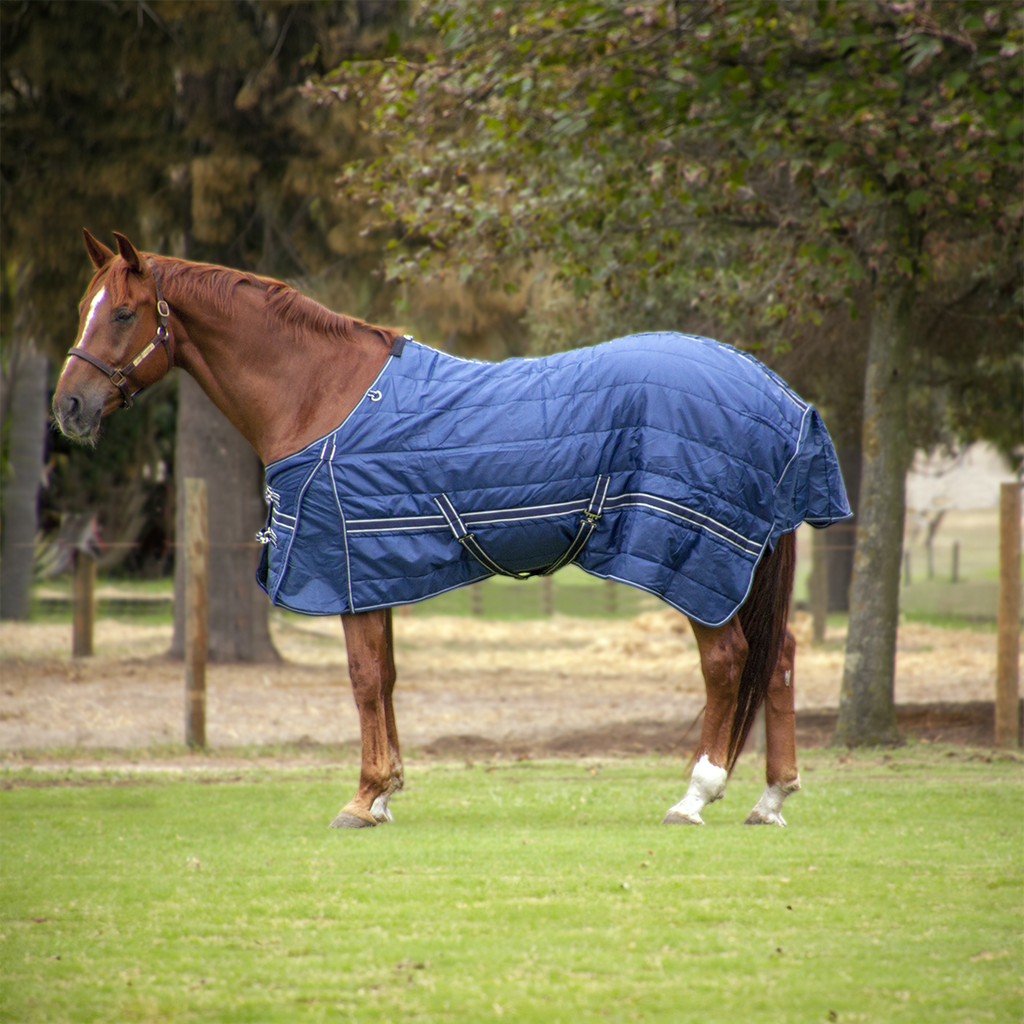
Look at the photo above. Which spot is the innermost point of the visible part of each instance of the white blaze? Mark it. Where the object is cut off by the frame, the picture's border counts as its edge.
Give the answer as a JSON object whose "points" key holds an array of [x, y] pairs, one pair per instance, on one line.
{"points": [[97, 299]]}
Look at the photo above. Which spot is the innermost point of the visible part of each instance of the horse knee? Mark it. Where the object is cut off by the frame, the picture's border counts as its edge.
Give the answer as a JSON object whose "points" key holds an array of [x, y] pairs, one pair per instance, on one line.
{"points": [[367, 690]]}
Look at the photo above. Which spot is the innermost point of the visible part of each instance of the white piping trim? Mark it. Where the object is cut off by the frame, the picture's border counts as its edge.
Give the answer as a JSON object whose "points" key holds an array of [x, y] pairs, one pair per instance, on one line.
{"points": [[750, 544], [630, 499], [344, 532], [475, 521], [796, 450]]}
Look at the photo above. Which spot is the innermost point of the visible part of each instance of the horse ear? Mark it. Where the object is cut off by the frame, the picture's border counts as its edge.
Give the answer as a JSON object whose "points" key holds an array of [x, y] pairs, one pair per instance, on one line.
{"points": [[98, 252], [131, 255]]}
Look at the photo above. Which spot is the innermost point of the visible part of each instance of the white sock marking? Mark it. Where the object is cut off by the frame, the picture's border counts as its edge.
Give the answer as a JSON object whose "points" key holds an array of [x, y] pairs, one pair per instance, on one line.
{"points": [[707, 784], [769, 808], [380, 809]]}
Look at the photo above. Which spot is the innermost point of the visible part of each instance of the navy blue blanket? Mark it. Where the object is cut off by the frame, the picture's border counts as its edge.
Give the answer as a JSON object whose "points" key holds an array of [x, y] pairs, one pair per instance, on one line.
{"points": [[691, 457]]}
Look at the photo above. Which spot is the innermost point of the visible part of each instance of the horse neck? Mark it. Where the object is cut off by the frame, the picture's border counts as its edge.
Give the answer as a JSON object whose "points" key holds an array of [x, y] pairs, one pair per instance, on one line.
{"points": [[281, 384]]}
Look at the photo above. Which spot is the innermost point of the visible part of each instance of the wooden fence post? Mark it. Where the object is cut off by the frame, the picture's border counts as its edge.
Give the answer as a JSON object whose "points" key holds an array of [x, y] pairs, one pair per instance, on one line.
{"points": [[197, 554], [83, 604], [1008, 625], [819, 586], [547, 596], [611, 597]]}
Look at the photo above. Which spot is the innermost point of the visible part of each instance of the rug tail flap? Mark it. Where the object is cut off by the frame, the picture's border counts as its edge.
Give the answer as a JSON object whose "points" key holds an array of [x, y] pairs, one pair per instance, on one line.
{"points": [[812, 488]]}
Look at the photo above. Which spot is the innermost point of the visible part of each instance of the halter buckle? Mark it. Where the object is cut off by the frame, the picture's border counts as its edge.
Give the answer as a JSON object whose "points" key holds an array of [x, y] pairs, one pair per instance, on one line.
{"points": [[163, 310]]}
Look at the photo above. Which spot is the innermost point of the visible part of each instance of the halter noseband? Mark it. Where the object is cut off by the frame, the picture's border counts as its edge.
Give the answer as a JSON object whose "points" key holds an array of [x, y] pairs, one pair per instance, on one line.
{"points": [[119, 377]]}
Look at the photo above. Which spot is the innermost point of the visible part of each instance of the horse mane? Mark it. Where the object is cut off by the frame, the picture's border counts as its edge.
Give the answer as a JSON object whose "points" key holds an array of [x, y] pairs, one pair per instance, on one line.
{"points": [[216, 285]]}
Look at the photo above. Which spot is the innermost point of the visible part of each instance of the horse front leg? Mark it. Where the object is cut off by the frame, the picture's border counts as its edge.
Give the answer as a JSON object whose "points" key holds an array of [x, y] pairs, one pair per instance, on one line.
{"points": [[781, 774], [723, 654], [379, 809], [372, 671]]}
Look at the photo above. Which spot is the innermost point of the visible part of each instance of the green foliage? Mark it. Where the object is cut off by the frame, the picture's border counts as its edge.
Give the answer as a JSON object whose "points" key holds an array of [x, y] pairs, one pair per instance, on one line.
{"points": [[182, 125], [757, 163], [529, 892], [85, 135], [592, 117]]}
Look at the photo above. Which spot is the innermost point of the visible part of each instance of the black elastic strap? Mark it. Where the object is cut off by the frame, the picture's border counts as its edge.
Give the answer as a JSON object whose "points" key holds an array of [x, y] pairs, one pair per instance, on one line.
{"points": [[398, 344], [470, 543], [591, 514]]}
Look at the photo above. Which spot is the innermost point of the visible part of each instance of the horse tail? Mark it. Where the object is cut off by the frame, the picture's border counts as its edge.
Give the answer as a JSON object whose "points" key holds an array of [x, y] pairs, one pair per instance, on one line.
{"points": [[763, 618]]}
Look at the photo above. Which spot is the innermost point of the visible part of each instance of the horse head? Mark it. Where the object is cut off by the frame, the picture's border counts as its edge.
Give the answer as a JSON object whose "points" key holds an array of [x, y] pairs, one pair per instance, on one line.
{"points": [[123, 320]]}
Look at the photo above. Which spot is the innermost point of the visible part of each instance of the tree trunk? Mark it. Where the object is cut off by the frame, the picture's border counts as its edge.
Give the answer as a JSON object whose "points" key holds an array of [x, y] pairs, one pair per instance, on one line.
{"points": [[26, 448], [209, 447], [867, 710]]}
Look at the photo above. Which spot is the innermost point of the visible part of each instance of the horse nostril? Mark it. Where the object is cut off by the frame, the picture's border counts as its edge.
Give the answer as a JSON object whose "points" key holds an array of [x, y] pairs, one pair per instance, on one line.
{"points": [[67, 409]]}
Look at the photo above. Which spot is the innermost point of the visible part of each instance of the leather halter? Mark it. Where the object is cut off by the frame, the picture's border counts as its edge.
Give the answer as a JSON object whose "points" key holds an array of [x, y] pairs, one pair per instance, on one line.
{"points": [[119, 377]]}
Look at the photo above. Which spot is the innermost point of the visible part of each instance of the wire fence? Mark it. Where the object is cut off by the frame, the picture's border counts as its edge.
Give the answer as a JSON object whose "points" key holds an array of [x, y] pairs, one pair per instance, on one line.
{"points": [[571, 592], [953, 573]]}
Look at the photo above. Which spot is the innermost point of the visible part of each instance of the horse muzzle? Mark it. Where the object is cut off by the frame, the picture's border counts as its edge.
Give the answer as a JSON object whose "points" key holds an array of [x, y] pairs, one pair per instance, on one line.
{"points": [[77, 416]]}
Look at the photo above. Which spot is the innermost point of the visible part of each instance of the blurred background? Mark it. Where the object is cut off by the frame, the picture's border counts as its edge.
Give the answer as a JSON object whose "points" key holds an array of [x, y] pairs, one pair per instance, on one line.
{"points": [[308, 141]]}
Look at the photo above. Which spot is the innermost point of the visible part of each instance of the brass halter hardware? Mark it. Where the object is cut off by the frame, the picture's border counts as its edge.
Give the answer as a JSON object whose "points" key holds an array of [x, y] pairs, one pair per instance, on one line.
{"points": [[119, 377]]}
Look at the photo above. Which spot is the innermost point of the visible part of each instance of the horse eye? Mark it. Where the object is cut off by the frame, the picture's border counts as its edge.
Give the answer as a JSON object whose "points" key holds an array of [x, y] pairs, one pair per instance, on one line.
{"points": [[123, 316]]}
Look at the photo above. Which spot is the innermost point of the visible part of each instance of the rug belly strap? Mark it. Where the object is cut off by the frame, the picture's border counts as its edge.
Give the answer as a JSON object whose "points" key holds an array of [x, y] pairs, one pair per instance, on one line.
{"points": [[591, 515]]}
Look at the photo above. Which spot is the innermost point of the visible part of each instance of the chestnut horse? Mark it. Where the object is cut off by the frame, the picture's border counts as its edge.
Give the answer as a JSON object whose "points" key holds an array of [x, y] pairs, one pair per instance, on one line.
{"points": [[286, 371]]}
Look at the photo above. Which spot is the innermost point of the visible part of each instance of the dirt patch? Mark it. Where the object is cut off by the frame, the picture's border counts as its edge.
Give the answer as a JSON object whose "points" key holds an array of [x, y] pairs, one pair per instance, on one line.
{"points": [[468, 688], [971, 724]]}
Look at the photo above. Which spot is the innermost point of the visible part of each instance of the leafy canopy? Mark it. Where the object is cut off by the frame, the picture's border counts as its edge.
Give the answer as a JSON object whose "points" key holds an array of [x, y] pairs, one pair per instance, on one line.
{"points": [[800, 147]]}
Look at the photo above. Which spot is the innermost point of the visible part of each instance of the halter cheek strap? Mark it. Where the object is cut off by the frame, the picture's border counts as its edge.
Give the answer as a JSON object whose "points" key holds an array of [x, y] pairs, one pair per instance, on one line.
{"points": [[120, 376]]}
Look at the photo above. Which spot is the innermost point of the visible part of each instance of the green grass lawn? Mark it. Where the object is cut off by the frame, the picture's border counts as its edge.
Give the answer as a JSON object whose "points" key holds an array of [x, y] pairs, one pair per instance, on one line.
{"points": [[516, 892]]}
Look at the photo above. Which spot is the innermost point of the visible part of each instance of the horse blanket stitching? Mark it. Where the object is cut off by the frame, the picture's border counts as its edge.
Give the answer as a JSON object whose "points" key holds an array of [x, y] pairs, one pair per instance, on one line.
{"points": [[709, 458]]}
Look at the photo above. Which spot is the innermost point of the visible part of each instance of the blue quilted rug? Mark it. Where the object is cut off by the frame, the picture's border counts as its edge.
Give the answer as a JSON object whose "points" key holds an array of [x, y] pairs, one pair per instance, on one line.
{"points": [[673, 463]]}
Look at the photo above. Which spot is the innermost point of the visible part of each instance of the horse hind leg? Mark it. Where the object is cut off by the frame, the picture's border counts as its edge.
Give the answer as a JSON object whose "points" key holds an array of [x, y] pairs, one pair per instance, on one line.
{"points": [[781, 774], [723, 654], [372, 673]]}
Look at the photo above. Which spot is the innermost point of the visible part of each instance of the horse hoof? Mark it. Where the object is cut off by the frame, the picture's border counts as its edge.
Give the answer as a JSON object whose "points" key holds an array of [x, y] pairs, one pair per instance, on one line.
{"points": [[678, 818], [346, 820], [768, 810], [756, 817]]}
